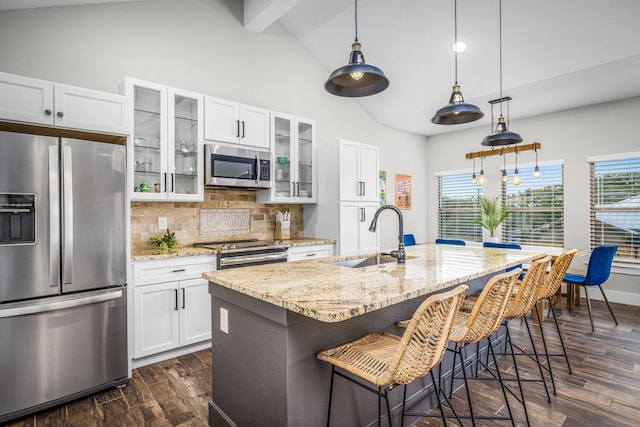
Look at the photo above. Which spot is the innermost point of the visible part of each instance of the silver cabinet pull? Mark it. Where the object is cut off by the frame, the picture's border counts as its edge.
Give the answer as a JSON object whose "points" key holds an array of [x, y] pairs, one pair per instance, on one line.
{"points": [[179, 270], [60, 114], [47, 112]]}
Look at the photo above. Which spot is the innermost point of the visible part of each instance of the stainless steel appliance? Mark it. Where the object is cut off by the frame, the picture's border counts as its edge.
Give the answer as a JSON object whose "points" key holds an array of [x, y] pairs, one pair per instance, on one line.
{"points": [[237, 167], [243, 253], [63, 313]]}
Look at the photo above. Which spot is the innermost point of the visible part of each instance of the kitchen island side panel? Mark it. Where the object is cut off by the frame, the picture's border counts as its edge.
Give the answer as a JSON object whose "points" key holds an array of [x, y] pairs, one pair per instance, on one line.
{"points": [[265, 371]]}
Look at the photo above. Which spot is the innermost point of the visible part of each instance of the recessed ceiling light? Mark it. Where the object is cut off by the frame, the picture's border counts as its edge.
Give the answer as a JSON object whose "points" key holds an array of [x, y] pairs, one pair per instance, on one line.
{"points": [[459, 46]]}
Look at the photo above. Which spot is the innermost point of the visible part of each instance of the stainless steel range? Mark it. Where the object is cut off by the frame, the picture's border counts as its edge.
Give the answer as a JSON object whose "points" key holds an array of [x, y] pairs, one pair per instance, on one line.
{"points": [[243, 253]]}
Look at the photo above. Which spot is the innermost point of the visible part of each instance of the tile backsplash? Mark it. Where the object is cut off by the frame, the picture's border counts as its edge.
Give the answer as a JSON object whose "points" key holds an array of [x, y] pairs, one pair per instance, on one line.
{"points": [[224, 215]]}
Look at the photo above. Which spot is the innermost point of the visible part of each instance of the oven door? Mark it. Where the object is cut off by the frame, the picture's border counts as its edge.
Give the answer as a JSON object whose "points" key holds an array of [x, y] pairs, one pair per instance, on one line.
{"points": [[235, 260], [234, 167]]}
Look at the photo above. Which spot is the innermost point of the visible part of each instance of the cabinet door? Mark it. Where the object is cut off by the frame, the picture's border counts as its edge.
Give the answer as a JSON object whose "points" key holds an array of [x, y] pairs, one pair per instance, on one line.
{"points": [[195, 311], [305, 154], [350, 185], [91, 110], [24, 99], [149, 157], [368, 168], [368, 240], [352, 215], [254, 126], [222, 120], [155, 318], [283, 156], [186, 145]]}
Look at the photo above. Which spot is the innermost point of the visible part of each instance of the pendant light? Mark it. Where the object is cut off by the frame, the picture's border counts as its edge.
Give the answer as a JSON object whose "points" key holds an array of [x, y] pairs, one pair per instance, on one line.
{"points": [[501, 135], [456, 111], [474, 180], [504, 178], [483, 179], [516, 180], [356, 78], [536, 171]]}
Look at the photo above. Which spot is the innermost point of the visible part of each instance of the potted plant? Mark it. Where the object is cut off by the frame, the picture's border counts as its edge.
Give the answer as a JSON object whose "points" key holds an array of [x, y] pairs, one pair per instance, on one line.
{"points": [[492, 213], [166, 242]]}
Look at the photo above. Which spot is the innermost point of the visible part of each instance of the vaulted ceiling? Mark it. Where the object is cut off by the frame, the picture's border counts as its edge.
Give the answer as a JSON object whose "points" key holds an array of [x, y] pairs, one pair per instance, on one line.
{"points": [[556, 54]]}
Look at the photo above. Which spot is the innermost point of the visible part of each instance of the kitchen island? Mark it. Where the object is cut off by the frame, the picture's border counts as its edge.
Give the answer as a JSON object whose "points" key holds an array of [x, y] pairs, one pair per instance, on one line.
{"points": [[269, 322]]}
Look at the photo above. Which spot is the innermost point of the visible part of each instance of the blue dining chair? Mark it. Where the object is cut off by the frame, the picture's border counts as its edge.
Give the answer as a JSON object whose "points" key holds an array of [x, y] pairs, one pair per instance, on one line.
{"points": [[450, 242], [598, 272], [505, 246], [409, 240]]}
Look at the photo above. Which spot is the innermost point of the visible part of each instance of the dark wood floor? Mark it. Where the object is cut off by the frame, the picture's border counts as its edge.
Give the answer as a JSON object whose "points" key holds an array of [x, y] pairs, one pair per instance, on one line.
{"points": [[604, 389]]}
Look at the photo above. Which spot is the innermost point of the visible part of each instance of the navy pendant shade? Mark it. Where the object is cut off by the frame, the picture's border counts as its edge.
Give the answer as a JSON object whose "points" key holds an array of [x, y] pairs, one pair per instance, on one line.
{"points": [[457, 111], [357, 78], [501, 136]]}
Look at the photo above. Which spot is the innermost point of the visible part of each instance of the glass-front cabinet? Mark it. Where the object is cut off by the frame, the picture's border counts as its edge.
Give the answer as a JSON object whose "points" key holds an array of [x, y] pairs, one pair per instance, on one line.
{"points": [[293, 154], [167, 149]]}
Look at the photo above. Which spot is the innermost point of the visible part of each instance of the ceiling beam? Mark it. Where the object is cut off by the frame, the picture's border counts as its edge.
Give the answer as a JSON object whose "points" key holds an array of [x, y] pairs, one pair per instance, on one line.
{"points": [[260, 14]]}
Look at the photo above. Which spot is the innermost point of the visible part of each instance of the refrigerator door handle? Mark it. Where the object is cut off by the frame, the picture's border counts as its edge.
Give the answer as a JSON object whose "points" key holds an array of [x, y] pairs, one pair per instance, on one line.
{"points": [[54, 218], [40, 307], [67, 197]]}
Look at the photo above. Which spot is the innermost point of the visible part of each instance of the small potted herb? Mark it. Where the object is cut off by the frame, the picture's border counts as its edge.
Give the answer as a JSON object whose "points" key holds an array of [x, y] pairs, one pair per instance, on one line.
{"points": [[166, 242], [492, 214]]}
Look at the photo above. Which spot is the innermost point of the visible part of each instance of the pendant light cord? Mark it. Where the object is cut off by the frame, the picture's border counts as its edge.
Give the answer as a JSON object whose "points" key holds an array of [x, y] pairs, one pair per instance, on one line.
{"points": [[501, 56], [356, 19], [455, 36]]}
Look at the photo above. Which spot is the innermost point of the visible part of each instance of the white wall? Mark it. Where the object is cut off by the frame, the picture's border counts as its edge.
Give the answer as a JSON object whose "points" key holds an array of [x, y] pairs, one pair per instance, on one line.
{"points": [[571, 136], [200, 45]]}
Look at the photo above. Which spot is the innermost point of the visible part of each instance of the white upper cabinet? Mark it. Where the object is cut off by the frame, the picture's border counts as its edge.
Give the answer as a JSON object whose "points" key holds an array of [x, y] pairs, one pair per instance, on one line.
{"points": [[23, 99], [293, 171], [234, 123], [358, 171], [167, 153]]}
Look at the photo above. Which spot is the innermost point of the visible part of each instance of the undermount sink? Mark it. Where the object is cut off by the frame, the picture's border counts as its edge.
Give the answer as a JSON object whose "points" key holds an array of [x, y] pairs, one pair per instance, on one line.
{"points": [[366, 262]]}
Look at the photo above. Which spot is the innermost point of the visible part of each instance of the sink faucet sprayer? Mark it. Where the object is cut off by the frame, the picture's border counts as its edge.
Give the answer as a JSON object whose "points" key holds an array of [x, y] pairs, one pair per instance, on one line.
{"points": [[399, 254]]}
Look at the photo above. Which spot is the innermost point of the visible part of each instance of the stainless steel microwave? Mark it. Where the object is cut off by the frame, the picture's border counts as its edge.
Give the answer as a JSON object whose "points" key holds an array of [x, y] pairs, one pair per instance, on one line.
{"points": [[227, 166]]}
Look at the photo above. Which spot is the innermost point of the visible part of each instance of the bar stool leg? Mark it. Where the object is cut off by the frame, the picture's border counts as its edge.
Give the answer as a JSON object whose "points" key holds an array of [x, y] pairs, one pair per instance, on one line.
{"points": [[535, 353], [515, 367], [546, 352], [502, 385], [333, 371], [564, 350]]}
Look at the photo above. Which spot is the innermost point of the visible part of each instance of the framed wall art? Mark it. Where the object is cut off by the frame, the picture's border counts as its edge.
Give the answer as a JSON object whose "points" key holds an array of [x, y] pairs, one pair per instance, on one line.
{"points": [[403, 191]]}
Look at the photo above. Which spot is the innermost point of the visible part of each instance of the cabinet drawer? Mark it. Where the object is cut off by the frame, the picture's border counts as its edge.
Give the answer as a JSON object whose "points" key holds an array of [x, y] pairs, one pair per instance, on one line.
{"points": [[159, 271], [310, 252]]}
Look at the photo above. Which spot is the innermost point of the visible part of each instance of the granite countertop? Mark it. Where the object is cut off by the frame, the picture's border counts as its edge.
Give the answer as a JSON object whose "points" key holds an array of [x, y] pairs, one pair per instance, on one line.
{"points": [[186, 251], [330, 293]]}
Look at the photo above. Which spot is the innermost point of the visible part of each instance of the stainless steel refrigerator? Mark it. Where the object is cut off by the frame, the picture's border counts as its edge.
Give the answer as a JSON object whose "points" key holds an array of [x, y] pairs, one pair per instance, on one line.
{"points": [[63, 315]]}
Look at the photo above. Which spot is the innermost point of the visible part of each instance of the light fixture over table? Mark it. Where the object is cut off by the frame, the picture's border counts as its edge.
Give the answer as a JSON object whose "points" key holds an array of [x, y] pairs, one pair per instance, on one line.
{"points": [[501, 135], [357, 78], [456, 111]]}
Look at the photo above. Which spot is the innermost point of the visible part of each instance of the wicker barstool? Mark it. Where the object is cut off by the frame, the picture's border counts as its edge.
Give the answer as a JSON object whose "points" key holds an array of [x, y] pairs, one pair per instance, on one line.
{"points": [[550, 288], [471, 327], [385, 359], [524, 297]]}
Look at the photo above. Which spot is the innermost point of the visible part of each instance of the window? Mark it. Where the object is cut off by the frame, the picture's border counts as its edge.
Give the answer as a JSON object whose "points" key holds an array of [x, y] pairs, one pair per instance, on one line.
{"points": [[458, 207], [537, 208], [615, 205]]}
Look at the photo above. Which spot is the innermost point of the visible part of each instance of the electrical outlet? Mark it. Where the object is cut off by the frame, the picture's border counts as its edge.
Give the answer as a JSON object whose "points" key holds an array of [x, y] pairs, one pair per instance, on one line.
{"points": [[162, 223], [224, 320]]}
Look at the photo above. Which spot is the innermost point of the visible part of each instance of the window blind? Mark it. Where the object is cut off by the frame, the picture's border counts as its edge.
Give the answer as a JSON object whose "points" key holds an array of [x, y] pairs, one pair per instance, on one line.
{"points": [[458, 207], [615, 206], [536, 206]]}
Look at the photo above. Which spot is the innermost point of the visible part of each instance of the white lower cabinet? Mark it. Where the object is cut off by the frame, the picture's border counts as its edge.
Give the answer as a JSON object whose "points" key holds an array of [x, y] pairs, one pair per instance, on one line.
{"points": [[355, 237], [309, 252], [171, 304]]}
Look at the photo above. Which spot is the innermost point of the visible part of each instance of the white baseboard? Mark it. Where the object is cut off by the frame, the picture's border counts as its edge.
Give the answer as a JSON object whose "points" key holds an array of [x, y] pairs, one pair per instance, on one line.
{"points": [[181, 351], [613, 296]]}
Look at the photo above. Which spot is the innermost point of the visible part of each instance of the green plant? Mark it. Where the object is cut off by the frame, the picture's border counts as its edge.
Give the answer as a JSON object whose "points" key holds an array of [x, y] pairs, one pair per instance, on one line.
{"points": [[167, 241], [492, 213]]}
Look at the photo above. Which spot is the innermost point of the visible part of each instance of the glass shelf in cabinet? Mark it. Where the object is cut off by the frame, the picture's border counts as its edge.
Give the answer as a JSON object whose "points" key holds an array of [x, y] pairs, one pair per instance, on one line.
{"points": [[146, 111]]}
